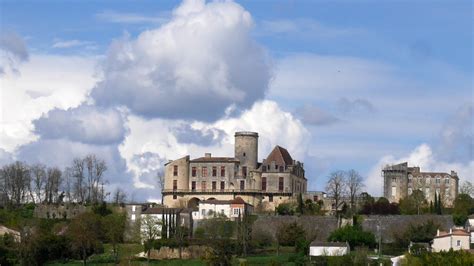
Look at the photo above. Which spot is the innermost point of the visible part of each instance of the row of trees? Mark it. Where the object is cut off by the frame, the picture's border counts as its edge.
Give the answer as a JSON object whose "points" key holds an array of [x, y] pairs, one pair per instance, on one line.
{"points": [[81, 182], [344, 184]]}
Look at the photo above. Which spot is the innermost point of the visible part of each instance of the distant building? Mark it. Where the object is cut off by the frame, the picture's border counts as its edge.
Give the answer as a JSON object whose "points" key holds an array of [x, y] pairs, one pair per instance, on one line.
{"points": [[317, 248], [470, 226], [455, 239], [400, 180], [265, 184], [231, 209]]}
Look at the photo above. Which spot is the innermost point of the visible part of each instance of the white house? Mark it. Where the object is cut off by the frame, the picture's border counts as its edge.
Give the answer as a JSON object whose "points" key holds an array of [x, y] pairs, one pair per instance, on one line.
{"points": [[228, 208], [456, 239], [317, 248]]}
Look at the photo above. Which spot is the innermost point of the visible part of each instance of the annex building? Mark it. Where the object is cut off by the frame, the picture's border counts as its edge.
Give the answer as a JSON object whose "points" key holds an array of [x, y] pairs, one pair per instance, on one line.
{"points": [[278, 178], [400, 181]]}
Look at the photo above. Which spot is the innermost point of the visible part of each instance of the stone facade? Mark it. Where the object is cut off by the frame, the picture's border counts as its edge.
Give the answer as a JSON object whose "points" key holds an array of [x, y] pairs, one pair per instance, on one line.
{"points": [[264, 185], [400, 180]]}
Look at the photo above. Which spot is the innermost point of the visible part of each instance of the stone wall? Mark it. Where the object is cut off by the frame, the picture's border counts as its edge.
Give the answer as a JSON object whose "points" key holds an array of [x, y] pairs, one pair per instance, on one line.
{"points": [[52, 211], [320, 227], [165, 253]]}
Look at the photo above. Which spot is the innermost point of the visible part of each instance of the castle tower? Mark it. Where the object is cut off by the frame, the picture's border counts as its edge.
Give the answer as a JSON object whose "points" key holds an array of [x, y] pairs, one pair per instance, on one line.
{"points": [[246, 149]]}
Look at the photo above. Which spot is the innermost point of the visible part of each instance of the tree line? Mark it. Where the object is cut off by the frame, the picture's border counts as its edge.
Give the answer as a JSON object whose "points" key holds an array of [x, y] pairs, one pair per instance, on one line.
{"points": [[82, 182]]}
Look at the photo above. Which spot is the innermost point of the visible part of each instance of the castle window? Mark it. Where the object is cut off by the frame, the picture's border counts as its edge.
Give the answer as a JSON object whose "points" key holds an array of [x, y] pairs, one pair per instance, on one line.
{"points": [[222, 170], [244, 171], [203, 185], [236, 211], [242, 184], [222, 185], [175, 170], [193, 185], [175, 196], [264, 183], [427, 192], [394, 191], [276, 166], [193, 171], [214, 171], [264, 168], [204, 171], [438, 180], [214, 185], [280, 184], [270, 198], [175, 184], [281, 169], [394, 179], [446, 181]]}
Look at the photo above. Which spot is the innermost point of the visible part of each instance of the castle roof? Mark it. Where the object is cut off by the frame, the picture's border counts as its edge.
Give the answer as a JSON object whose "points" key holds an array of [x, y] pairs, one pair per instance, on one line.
{"points": [[280, 156]]}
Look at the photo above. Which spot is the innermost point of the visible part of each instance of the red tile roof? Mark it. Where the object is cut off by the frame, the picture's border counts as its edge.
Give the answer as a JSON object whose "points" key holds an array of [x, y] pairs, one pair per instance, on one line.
{"points": [[280, 156]]}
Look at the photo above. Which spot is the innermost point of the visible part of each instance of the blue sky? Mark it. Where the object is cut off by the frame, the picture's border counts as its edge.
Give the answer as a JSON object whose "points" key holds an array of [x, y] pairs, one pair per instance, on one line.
{"points": [[357, 84]]}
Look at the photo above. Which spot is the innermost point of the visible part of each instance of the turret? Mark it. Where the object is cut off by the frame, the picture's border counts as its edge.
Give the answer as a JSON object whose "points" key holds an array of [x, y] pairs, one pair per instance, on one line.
{"points": [[246, 149]]}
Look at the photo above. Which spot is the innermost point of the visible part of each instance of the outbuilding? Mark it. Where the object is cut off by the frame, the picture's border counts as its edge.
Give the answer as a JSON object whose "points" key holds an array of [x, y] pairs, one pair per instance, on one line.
{"points": [[318, 248]]}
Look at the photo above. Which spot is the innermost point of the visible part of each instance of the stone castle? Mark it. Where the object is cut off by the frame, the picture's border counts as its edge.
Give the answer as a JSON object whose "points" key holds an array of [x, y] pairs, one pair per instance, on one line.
{"points": [[276, 179], [400, 181]]}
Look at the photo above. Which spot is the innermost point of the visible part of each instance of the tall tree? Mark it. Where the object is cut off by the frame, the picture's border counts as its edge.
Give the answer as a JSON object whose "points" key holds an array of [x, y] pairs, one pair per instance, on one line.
{"points": [[354, 186], [336, 187], [84, 231], [78, 173], [38, 176], [467, 188], [52, 185], [150, 230], [119, 196], [15, 180], [95, 170], [114, 225]]}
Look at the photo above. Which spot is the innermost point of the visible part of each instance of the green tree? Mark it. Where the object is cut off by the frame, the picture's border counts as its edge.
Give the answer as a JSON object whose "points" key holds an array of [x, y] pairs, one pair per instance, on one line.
{"points": [[463, 206], [84, 231], [354, 235], [413, 203], [114, 226]]}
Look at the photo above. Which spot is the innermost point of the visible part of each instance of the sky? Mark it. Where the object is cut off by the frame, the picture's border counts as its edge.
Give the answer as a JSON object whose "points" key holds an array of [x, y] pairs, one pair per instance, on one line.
{"points": [[340, 84]]}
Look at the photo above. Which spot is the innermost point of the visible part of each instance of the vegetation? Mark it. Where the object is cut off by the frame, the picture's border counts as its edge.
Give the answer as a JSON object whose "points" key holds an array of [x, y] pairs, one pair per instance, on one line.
{"points": [[381, 207], [354, 235], [416, 233], [463, 207], [451, 257]]}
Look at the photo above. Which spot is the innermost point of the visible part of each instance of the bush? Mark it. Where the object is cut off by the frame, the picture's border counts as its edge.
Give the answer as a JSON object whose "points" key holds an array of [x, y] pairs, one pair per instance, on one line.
{"points": [[451, 257], [354, 235], [289, 233], [261, 239], [285, 209]]}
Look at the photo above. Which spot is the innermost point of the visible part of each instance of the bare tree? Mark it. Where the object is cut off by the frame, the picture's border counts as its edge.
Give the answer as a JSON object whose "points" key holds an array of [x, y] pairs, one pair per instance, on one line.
{"points": [[38, 175], [354, 186], [95, 171], [161, 182], [119, 196], [15, 183], [467, 188], [78, 168], [52, 185], [68, 175], [336, 187]]}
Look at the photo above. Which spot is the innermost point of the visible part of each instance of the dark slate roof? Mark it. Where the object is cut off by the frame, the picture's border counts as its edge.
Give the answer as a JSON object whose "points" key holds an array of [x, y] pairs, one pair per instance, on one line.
{"points": [[280, 156], [215, 160], [328, 244]]}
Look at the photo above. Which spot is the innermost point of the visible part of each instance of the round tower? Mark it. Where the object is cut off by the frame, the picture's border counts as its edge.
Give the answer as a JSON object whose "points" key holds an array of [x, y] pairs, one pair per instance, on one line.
{"points": [[246, 149]]}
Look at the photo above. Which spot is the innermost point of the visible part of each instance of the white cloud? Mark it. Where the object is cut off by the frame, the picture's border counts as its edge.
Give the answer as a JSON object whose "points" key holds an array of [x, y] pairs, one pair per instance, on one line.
{"points": [[71, 43], [423, 157], [13, 52], [274, 126], [195, 66], [46, 82], [313, 115]]}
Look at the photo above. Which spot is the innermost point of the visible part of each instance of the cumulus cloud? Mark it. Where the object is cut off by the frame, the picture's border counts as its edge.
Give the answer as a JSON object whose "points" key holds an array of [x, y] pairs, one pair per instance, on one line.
{"points": [[87, 124], [274, 125], [128, 18], [46, 82], [194, 67], [186, 134], [13, 51], [313, 115]]}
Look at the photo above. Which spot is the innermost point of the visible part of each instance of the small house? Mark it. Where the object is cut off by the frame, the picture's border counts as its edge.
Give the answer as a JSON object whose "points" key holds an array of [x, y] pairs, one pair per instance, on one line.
{"points": [[455, 239], [317, 248]]}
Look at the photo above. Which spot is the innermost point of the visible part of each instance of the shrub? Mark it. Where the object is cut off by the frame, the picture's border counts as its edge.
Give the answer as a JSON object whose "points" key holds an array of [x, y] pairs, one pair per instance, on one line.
{"points": [[354, 235], [289, 233]]}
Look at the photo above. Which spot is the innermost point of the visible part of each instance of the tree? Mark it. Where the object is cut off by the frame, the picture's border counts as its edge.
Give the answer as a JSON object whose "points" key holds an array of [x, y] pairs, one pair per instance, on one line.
{"points": [[15, 180], [84, 231], [95, 171], [38, 175], [354, 235], [160, 177], [467, 188], [119, 196], [463, 206], [53, 183], [150, 230], [114, 225], [78, 173], [354, 186], [285, 208], [336, 187], [413, 203], [424, 232]]}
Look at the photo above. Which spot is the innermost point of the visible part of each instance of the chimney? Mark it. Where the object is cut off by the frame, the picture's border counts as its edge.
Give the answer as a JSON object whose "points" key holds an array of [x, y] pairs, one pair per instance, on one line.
{"points": [[437, 232], [450, 230], [207, 155]]}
